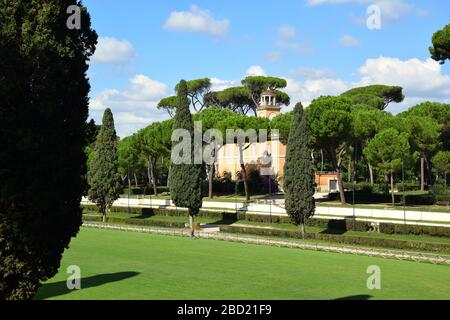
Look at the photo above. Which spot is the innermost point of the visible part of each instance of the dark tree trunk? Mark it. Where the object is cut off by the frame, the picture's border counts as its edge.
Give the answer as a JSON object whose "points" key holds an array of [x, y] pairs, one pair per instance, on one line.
{"points": [[322, 160], [129, 185], [386, 184], [152, 176], [191, 224], [136, 180], [350, 170], [244, 173], [422, 173], [245, 178], [302, 230], [210, 181]]}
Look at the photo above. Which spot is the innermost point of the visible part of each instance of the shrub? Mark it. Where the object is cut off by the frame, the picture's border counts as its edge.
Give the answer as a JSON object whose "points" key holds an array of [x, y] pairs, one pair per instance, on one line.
{"points": [[332, 224], [407, 186], [349, 240], [136, 221], [418, 199], [390, 228]]}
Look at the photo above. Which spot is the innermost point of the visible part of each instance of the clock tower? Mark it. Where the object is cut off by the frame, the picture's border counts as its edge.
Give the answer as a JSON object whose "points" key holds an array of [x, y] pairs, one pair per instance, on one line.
{"points": [[268, 106]]}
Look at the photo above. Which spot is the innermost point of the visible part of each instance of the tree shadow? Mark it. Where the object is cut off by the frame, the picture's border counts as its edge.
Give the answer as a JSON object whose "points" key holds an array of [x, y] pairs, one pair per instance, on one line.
{"points": [[52, 290], [336, 227], [356, 297]]}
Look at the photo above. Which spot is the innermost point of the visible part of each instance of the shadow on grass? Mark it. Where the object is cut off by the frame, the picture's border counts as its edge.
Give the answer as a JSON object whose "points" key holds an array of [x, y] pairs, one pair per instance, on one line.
{"points": [[356, 297], [52, 290]]}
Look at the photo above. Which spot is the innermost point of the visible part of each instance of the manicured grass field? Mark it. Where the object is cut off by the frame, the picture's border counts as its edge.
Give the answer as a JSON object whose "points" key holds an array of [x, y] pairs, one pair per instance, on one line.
{"points": [[119, 265]]}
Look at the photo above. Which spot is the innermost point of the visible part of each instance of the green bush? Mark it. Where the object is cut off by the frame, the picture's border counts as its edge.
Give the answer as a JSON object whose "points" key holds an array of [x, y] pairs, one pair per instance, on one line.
{"points": [[407, 186], [349, 240], [136, 221], [361, 187], [332, 224], [418, 199], [390, 228]]}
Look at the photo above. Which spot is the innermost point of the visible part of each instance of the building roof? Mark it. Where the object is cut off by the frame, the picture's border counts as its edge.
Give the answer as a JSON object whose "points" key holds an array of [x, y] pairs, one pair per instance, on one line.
{"points": [[268, 92]]}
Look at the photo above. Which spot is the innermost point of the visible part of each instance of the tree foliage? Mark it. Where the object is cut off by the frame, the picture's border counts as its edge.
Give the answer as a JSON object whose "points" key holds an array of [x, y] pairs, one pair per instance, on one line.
{"points": [[441, 162], [332, 130], [257, 84], [43, 132], [104, 177], [197, 90], [186, 179], [236, 99], [169, 105], [440, 51], [377, 96], [283, 123], [389, 150], [246, 98], [153, 143], [299, 172], [440, 112]]}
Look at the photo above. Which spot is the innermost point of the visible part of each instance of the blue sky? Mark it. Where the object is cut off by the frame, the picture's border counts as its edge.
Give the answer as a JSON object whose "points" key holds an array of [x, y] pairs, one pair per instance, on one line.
{"points": [[320, 46]]}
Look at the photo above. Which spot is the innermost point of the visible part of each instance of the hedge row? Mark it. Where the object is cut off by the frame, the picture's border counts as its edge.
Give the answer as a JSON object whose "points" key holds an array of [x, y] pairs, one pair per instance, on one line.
{"points": [[136, 221], [224, 216], [349, 240], [343, 225], [375, 197], [390, 228], [338, 225]]}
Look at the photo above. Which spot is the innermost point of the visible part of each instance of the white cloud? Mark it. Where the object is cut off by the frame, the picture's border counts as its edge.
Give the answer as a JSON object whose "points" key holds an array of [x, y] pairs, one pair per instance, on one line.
{"points": [[112, 51], [197, 21], [421, 79], [255, 71], [312, 73], [219, 84], [391, 10], [287, 32], [349, 41], [287, 39], [308, 90], [134, 107]]}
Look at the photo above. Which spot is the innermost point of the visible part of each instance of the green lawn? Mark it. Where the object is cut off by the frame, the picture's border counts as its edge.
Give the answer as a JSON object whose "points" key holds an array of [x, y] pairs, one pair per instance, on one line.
{"points": [[119, 265]]}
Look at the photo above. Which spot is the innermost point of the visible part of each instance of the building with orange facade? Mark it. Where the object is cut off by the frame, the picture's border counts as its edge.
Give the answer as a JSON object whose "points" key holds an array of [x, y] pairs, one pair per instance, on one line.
{"points": [[270, 155]]}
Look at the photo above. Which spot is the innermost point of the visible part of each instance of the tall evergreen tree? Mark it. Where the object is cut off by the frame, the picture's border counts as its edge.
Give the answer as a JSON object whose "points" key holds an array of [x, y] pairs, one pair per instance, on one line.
{"points": [[186, 179], [299, 172], [104, 177], [43, 112]]}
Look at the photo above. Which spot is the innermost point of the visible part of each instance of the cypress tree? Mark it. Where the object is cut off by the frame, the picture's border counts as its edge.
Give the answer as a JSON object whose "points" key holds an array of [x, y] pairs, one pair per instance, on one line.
{"points": [[186, 179], [43, 112], [104, 177], [299, 172]]}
